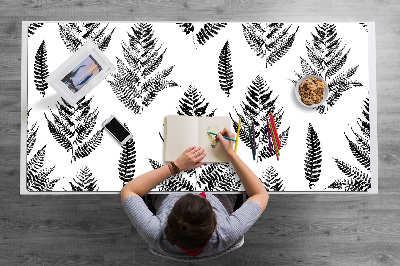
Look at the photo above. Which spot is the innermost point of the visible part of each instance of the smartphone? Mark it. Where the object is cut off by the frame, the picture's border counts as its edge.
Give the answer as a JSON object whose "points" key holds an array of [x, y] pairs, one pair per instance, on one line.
{"points": [[117, 130]]}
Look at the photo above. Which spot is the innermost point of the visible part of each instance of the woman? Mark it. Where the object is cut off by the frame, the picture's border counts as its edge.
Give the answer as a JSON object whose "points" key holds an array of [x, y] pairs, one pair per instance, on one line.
{"points": [[187, 224]]}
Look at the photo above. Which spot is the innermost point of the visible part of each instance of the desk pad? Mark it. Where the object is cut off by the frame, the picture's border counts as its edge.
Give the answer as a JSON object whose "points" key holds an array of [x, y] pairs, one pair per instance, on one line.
{"points": [[241, 70]]}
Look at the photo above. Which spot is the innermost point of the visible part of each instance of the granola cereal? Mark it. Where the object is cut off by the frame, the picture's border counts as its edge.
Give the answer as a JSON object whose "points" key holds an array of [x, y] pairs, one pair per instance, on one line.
{"points": [[312, 91]]}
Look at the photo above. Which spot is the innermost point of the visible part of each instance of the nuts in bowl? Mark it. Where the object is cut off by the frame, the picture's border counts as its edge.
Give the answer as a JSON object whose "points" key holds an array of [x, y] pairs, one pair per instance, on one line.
{"points": [[311, 91]]}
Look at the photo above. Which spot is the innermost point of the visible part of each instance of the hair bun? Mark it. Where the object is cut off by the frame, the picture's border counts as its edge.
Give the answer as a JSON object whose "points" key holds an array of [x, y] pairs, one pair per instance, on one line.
{"points": [[183, 225]]}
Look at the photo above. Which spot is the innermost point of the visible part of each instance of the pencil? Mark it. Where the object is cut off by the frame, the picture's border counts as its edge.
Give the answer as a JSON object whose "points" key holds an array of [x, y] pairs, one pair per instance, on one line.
{"points": [[254, 136], [274, 143], [276, 132], [222, 136], [251, 141], [237, 135], [269, 137]]}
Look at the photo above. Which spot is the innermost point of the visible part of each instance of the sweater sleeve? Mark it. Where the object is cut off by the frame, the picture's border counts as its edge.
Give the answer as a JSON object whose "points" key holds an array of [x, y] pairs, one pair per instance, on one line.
{"points": [[146, 223], [239, 222]]}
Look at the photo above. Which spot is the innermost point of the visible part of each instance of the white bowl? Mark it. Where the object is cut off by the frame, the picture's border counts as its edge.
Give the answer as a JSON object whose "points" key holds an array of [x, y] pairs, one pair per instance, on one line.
{"points": [[296, 91]]}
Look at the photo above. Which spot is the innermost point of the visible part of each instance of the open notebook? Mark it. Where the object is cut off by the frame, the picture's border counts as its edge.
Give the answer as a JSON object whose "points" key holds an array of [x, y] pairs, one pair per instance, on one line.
{"points": [[181, 132]]}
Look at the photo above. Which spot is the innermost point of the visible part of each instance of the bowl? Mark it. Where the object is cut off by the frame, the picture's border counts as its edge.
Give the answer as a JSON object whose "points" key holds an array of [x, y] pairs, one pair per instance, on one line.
{"points": [[296, 91]]}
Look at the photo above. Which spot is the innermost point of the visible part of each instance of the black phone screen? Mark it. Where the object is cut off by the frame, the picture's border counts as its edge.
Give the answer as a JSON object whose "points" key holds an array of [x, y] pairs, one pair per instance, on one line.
{"points": [[117, 130]]}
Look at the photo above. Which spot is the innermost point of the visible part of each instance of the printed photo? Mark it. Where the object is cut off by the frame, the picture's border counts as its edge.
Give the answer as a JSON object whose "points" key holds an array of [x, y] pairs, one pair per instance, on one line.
{"points": [[81, 74]]}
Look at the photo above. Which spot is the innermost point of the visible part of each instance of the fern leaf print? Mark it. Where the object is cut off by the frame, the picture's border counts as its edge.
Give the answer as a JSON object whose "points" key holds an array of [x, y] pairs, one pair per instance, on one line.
{"points": [[358, 181], [87, 147], [269, 40], [312, 162], [186, 27], [33, 27], [193, 104], [174, 183], [364, 25], [218, 177], [327, 58], [225, 69], [75, 35], [201, 33], [271, 180], [40, 69], [37, 177], [208, 31], [360, 148], [257, 106], [72, 127], [137, 82], [126, 163], [84, 181], [31, 134]]}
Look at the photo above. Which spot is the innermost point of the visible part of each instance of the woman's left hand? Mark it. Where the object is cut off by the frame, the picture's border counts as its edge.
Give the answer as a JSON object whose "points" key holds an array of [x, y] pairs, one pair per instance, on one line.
{"points": [[190, 158]]}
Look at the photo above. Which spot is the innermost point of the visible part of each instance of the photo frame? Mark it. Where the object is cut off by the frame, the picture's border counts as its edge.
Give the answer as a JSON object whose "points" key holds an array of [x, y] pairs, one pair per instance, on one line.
{"points": [[80, 73]]}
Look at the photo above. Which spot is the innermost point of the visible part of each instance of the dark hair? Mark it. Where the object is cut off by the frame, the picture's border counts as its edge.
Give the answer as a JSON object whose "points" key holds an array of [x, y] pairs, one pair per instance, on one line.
{"points": [[191, 222]]}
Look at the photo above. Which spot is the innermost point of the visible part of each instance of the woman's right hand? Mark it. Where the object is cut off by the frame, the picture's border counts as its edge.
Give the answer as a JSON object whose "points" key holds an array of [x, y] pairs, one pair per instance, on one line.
{"points": [[226, 144]]}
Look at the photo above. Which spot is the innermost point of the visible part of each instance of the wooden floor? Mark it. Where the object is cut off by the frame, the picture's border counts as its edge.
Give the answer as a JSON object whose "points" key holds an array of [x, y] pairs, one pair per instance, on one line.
{"points": [[294, 230]]}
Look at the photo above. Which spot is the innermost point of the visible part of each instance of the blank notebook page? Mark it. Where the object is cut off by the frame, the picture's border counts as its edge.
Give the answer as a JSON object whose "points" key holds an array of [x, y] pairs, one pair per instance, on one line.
{"points": [[181, 133]]}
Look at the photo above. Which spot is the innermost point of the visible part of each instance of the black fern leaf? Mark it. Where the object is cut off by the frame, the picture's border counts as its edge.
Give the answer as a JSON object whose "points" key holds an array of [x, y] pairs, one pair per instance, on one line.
{"points": [[37, 177], [86, 124], [36, 162], [364, 123], [187, 27], [74, 35], [41, 181], [362, 155], [72, 127], [70, 36], [269, 40], [31, 135], [86, 148], [358, 181], [174, 183], [365, 26], [256, 107], [352, 184], [202, 35], [218, 177], [84, 181], [193, 104], [271, 180], [33, 27], [137, 82], [337, 184], [40, 69], [361, 147], [58, 135], [208, 31], [312, 162], [327, 58], [127, 160], [225, 69], [155, 164]]}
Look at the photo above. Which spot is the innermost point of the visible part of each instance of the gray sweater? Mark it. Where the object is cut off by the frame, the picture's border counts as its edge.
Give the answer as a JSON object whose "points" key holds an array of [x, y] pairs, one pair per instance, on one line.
{"points": [[229, 227]]}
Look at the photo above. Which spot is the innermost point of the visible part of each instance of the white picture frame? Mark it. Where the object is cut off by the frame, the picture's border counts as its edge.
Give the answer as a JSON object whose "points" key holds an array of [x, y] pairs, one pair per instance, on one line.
{"points": [[80, 73]]}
